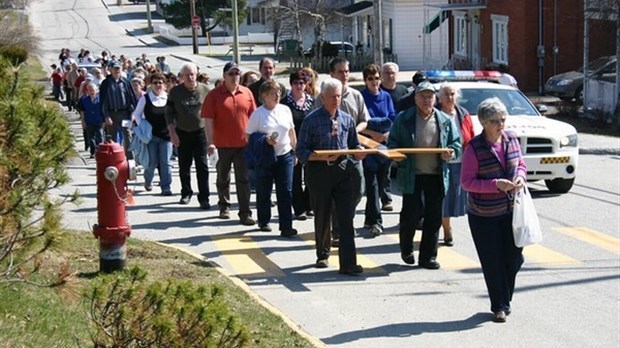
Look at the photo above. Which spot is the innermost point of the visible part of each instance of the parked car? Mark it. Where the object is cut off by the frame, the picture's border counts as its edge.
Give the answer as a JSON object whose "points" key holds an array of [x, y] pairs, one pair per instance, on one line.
{"points": [[89, 66], [569, 85]]}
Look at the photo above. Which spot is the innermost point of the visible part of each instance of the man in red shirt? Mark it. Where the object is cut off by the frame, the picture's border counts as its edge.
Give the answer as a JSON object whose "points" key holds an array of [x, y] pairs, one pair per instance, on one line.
{"points": [[227, 110]]}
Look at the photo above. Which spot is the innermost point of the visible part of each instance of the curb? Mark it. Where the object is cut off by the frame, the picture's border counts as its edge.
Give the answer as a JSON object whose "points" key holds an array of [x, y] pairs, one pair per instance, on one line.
{"points": [[243, 286], [600, 151]]}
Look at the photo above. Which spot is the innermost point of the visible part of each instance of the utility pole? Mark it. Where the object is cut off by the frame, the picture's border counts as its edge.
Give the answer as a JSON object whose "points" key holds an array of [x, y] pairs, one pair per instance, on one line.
{"points": [[149, 24], [192, 11], [235, 24], [378, 33]]}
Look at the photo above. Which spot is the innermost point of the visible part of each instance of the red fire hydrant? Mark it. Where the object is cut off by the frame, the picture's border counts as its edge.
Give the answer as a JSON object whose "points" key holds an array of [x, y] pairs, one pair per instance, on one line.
{"points": [[112, 230]]}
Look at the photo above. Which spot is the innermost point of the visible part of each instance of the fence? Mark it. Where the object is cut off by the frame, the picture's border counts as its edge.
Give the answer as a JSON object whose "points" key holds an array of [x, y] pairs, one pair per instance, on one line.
{"points": [[321, 65], [602, 96]]}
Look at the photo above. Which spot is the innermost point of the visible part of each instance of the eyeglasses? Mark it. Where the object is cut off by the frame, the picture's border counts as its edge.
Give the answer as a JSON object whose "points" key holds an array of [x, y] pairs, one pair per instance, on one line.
{"points": [[234, 73], [498, 121], [334, 127]]}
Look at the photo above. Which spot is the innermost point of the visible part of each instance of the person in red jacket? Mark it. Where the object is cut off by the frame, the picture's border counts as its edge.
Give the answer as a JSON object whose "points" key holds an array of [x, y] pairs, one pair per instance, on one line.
{"points": [[455, 201], [56, 79]]}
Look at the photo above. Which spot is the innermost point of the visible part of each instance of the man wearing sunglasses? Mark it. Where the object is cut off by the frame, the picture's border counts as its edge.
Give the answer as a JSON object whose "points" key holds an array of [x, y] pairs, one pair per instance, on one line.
{"points": [[227, 110]]}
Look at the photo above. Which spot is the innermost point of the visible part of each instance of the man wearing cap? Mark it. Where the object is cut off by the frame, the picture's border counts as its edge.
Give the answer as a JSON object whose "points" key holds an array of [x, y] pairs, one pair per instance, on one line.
{"points": [[267, 68], [117, 103], [423, 176], [227, 110], [187, 133]]}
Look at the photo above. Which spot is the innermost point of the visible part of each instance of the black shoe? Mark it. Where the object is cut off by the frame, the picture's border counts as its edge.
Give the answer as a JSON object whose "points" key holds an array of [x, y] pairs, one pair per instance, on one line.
{"points": [[408, 259], [224, 214], [185, 200], [432, 264], [264, 228], [309, 213], [387, 207], [166, 192], [301, 217], [247, 220], [322, 263], [288, 233], [148, 187], [448, 242], [205, 205], [499, 317], [335, 242], [351, 269]]}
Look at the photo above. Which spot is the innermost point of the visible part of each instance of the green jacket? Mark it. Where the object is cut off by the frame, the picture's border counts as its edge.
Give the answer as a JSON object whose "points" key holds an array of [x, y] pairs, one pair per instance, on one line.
{"points": [[402, 135]]}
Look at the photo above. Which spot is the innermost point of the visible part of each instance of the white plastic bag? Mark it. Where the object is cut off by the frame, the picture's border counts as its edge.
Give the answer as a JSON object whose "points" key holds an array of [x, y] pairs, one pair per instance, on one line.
{"points": [[525, 224]]}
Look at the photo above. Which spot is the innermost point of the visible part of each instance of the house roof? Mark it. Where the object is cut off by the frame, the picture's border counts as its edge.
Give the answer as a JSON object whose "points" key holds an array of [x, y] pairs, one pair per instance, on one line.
{"points": [[462, 5], [358, 9]]}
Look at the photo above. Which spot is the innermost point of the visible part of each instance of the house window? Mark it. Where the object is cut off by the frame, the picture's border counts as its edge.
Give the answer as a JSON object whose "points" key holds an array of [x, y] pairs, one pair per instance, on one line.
{"points": [[460, 34], [255, 14], [500, 39]]}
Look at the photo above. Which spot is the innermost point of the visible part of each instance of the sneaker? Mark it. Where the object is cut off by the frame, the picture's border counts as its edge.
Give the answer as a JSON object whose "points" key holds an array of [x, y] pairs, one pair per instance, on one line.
{"points": [[387, 207], [264, 228], [322, 263], [224, 214], [288, 233], [247, 220], [301, 217], [376, 230], [166, 192], [351, 270], [205, 205], [148, 186]]}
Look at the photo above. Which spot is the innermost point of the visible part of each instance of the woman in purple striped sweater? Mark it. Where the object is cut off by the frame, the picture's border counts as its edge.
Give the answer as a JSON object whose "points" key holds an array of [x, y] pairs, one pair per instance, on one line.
{"points": [[492, 170]]}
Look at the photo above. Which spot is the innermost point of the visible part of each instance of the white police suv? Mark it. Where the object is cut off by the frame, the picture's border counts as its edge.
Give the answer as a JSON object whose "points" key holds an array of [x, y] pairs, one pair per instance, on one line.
{"points": [[549, 147]]}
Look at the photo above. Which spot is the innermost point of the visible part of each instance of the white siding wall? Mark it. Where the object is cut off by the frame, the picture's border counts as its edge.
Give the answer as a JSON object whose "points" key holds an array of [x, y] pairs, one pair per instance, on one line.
{"points": [[408, 23]]}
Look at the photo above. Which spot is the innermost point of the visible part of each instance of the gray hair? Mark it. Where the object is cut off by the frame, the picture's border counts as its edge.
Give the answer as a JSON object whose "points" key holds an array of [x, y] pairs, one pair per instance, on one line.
{"points": [[187, 66], [389, 65], [457, 91], [330, 84], [491, 107]]}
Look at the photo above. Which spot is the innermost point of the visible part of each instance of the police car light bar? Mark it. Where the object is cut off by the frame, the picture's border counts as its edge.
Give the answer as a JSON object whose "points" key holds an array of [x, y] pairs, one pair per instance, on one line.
{"points": [[463, 75]]}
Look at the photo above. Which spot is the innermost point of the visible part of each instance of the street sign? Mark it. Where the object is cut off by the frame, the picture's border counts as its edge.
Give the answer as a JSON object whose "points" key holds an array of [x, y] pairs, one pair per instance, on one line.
{"points": [[196, 22]]}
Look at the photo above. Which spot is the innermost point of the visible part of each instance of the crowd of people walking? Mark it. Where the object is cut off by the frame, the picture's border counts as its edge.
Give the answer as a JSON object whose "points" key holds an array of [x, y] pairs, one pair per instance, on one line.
{"points": [[270, 134]]}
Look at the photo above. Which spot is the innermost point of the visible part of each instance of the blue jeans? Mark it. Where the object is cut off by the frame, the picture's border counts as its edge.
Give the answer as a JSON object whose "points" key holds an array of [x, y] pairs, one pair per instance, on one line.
{"points": [[160, 151], [499, 257], [282, 173]]}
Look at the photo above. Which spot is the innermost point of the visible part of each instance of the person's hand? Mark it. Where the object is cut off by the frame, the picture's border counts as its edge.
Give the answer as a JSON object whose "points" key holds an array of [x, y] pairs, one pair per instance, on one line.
{"points": [[211, 149], [174, 139], [381, 138], [447, 155], [271, 141], [359, 156], [505, 185], [108, 121], [519, 182]]}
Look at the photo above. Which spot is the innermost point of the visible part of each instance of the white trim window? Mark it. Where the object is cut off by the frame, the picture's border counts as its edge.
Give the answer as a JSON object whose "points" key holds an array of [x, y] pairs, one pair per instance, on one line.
{"points": [[460, 34], [500, 38]]}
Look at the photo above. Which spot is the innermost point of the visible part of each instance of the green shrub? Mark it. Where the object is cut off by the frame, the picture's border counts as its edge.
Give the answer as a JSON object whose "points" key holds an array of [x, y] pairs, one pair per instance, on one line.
{"points": [[35, 143], [15, 54], [128, 311]]}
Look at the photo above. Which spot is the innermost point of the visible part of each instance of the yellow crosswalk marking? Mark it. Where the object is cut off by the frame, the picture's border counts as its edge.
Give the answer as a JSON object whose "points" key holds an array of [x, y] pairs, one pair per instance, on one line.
{"points": [[369, 265], [245, 257], [593, 237], [539, 254]]}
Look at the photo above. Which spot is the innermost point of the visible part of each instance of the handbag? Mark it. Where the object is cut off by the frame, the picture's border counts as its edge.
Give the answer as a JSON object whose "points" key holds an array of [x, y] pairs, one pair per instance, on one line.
{"points": [[525, 224]]}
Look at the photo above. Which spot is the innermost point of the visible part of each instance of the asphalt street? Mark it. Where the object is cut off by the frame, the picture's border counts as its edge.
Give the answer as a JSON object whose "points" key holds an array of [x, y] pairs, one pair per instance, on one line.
{"points": [[391, 304]]}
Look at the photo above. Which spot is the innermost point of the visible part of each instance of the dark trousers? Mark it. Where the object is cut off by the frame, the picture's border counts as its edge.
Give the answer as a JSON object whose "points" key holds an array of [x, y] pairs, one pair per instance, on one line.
{"points": [[499, 257], [429, 188], [327, 184], [94, 136], [282, 173], [375, 186], [357, 179], [69, 98], [193, 147], [229, 156], [386, 190], [117, 127], [301, 197]]}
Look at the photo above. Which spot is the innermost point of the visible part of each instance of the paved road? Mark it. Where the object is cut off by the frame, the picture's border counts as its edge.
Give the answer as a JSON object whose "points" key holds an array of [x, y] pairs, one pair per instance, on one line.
{"points": [[567, 293]]}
